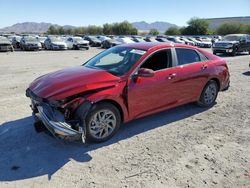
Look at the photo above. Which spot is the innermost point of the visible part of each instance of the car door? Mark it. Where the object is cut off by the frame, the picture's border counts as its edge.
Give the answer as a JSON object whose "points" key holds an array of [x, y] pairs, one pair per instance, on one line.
{"points": [[149, 95], [69, 43], [193, 73], [244, 43]]}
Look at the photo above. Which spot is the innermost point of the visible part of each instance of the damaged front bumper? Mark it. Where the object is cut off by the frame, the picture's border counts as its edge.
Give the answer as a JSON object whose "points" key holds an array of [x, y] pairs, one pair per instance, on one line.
{"points": [[55, 123], [54, 120]]}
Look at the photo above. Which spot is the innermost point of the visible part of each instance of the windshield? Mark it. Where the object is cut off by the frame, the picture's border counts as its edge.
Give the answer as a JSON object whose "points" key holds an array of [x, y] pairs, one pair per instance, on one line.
{"points": [[4, 39], [232, 38], [116, 60], [56, 39], [30, 39]]}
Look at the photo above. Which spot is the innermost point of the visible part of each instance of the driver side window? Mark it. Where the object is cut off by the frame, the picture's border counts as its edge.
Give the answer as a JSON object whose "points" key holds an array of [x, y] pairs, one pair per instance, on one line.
{"points": [[159, 60]]}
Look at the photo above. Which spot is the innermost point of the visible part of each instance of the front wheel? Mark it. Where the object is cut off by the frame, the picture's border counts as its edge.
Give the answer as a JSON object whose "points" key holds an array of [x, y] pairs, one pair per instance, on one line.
{"points": [[209, 94], [234, 52], [102, 122]]}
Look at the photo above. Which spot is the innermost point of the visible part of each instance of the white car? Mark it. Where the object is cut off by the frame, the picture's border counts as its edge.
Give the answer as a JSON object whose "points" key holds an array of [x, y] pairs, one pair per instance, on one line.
{"points": [[197, 43], [55, 43], [187, 41], [205, 43], [125, 40], [77, 43], [175, 40]]}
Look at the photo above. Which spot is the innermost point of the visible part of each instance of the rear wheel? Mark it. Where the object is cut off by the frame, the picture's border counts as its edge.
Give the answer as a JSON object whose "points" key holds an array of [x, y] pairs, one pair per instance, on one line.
{"points": [[209, 94], [102, 122]]}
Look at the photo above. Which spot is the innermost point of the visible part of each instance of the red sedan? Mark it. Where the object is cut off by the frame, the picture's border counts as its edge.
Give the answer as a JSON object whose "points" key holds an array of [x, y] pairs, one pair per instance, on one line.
{"points": [[125, 83]]}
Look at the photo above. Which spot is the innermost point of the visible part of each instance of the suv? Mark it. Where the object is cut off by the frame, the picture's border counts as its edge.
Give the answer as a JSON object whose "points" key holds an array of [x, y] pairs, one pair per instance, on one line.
{"points": [[232, 44]]}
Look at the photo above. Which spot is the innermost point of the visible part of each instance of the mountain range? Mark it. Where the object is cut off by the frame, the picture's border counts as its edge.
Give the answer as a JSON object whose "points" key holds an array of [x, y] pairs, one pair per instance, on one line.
{"points": [[34, 27]]}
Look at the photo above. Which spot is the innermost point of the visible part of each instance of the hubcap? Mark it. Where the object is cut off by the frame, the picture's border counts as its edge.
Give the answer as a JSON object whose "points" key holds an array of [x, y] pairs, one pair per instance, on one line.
{"points": [[210, 94], [102, 124]]}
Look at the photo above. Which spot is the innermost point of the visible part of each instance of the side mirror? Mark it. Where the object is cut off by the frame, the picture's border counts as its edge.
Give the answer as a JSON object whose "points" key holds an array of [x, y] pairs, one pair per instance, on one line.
{"points": [[144, 72]]}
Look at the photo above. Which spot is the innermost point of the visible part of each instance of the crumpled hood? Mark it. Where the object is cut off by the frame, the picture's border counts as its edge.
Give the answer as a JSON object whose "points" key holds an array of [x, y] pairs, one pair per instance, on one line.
{"points": [[67, 82]]}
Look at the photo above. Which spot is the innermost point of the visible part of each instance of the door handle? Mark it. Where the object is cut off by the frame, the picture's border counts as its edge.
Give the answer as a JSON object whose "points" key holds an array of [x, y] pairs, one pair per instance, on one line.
{"points": [[171, 76], [204, 67]]}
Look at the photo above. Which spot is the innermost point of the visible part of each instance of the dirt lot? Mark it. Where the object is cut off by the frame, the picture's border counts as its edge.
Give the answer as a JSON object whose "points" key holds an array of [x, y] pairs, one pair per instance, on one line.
{"points": [[184, 147]]}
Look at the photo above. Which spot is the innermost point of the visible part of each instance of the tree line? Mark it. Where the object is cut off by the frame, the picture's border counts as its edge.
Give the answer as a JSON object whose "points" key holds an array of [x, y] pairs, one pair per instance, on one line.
{"points": [[122, 28], [195, 26], [198, 26]]}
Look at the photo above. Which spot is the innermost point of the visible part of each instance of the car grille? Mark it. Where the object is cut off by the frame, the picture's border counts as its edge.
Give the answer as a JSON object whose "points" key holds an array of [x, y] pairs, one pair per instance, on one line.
{"points": [[220, 44], [61, 46]]}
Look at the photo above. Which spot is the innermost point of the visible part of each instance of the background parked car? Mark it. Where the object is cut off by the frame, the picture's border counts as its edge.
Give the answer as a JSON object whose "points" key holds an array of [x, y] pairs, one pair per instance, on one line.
{"points": [[125, 40], [55, 43], [41, 40], [30, 43], [196, 42], [77, 43], [175, 40], [162, 39], [138, 39], [232, 44], [5, 45], [110, 43], [205, 43], [93, 41], [187, 41], [16, 41]]}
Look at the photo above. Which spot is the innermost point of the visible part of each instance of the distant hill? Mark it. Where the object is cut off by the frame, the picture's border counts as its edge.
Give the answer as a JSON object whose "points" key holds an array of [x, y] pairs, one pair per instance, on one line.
{"points": [[27, 27], [160, 26], [216, 22], [31, 27]]}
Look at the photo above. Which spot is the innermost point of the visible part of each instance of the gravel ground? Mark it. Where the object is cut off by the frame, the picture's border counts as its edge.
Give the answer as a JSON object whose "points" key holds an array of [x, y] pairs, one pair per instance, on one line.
{"points": [[184, 147]]}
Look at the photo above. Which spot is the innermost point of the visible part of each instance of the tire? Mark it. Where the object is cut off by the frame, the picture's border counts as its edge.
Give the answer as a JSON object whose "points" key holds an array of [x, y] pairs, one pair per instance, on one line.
{"points": [[234, 52], [209, 94], [96, 128], [214, 52], [75, 47]]}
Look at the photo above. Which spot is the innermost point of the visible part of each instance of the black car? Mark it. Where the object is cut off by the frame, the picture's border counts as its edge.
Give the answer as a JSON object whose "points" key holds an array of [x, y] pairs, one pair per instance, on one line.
{"points": [[93, 41], [5, 45], [110, 43], [233, 43]]}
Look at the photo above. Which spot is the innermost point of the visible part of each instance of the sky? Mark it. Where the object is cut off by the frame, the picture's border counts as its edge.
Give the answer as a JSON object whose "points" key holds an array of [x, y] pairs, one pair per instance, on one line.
{"points": [[98, 12]]}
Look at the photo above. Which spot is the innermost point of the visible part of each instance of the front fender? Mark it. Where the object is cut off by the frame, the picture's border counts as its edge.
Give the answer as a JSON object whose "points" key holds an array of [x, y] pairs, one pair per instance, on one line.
{"points": [[116, 95]]}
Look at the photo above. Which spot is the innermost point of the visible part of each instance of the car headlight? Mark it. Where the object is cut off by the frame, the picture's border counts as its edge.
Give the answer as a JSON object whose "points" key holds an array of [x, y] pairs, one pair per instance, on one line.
{"points": [[55, 103]]}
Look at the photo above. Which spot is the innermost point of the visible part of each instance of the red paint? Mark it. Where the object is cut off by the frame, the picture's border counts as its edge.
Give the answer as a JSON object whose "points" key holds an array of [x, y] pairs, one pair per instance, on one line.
{"points": [[136, 97]]}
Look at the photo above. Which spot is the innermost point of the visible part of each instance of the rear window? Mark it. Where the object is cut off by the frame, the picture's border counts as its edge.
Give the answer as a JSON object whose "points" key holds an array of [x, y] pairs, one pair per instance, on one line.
{"points": [[187, 56]]}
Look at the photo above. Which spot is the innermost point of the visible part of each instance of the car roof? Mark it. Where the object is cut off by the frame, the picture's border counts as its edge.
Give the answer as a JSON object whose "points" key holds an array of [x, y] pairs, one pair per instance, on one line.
{"points": [[239, 35], [148, 45]]}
